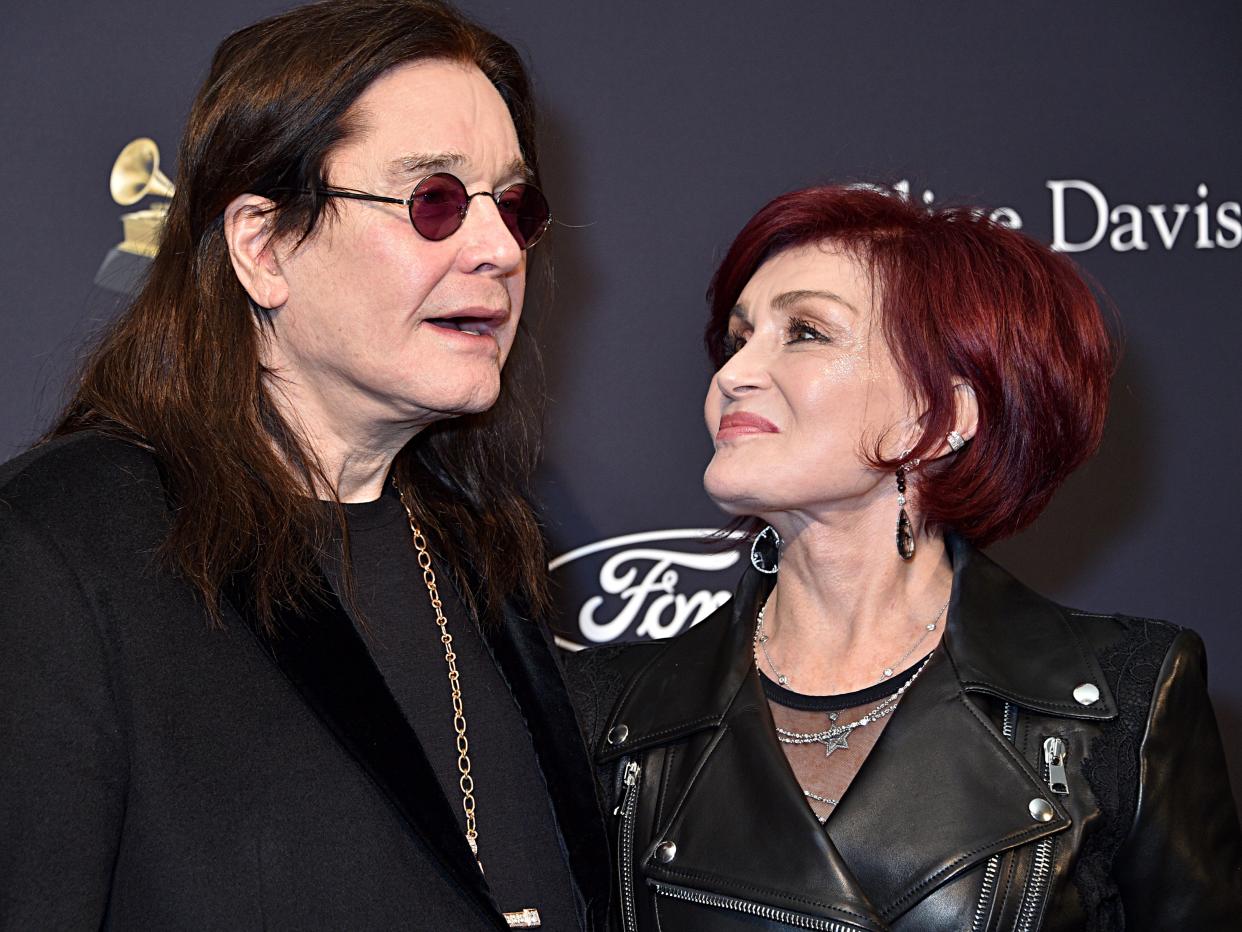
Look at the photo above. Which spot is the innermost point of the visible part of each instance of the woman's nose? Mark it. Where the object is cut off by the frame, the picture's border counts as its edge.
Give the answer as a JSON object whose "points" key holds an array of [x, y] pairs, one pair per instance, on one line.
{"points": [[742, 373]]}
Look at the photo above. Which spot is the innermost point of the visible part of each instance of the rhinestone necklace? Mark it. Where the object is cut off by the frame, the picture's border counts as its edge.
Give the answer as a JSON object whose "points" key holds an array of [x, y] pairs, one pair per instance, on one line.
{"points": [[836, 737], [761, 643], [822, 799]]}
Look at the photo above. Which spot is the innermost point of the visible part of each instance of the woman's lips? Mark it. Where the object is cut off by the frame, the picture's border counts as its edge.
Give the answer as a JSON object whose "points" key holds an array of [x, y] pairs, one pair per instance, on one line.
{"points": [[744, 424]]}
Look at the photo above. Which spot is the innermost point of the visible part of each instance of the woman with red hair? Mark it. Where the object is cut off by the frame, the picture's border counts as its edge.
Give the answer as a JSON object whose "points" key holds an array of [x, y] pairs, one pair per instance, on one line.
{"points": [[884, 729]]}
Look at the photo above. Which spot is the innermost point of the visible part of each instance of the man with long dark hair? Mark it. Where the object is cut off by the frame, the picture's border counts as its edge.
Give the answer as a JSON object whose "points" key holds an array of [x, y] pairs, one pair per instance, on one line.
{"points": [[272, 656]]}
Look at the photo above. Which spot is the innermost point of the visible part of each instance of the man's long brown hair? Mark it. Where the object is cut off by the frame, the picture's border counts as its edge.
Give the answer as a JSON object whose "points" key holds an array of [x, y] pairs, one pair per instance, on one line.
{"points": [[180, 372]]}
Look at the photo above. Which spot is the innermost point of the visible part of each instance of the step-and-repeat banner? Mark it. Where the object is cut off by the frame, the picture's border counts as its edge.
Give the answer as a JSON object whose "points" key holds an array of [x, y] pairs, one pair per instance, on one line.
{"points": [[1109, 131]]}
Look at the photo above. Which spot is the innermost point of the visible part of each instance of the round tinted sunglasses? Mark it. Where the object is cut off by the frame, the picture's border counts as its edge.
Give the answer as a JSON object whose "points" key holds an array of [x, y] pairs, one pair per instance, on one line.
{"points": [[439, 203]]}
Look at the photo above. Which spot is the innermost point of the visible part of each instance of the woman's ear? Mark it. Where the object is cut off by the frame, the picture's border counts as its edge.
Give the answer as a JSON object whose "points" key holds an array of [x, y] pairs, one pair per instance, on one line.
{"points": [[247, 232], [966, 413], [966, 421]]}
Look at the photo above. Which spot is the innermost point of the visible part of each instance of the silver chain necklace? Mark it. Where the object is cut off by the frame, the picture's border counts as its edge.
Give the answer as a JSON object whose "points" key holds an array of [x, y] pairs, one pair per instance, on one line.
{"points": [[836, 737], [823, 799], [761, 642]]}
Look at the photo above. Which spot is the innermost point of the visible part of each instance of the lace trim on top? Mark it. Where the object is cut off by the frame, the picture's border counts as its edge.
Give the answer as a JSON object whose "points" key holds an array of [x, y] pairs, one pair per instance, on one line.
{"points": [[1130, 667]]}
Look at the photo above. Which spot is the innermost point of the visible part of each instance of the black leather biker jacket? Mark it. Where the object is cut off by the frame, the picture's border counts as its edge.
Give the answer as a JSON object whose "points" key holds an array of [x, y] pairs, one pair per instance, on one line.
{"points": [[1050, 769]]}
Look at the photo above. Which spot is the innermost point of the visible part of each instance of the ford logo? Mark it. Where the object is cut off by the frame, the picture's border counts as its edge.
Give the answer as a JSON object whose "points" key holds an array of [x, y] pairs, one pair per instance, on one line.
{"points": [[653, 584]]}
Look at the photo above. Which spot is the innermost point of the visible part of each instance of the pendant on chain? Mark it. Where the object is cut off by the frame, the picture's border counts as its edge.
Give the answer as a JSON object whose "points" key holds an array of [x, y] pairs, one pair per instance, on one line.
{"points": [[839, 742]]}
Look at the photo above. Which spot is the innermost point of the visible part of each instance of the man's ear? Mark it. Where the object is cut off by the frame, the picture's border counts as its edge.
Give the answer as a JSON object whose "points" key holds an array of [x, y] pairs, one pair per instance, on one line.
{"points": [[247, 232]]}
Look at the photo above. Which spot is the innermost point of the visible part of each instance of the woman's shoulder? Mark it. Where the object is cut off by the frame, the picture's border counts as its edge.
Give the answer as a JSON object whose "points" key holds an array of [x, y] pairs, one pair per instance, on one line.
{"points": [[1144, 661], [597, 676], [1125, 644]]}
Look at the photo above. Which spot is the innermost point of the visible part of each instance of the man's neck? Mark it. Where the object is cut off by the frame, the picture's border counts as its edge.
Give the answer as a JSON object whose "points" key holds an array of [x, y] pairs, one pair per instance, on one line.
{"points": [[355, 454]]}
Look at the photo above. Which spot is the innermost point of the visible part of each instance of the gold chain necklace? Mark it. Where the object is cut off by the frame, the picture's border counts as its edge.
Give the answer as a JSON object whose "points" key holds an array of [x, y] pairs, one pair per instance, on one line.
{"points": [[519, 919]]}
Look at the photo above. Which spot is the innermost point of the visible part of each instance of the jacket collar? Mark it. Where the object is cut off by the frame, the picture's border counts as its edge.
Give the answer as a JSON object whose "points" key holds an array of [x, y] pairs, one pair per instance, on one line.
{"points": [[1010, 642], [322, 655], [1001, 638]]}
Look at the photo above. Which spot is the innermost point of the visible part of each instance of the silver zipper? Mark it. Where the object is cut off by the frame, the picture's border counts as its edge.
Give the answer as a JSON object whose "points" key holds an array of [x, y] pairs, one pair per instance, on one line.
{"points": [[984, 906], [628, 808], [1054, 760], [1010, 726], [789, 917], [985, 895], [1041, 866], [1036, 884]]}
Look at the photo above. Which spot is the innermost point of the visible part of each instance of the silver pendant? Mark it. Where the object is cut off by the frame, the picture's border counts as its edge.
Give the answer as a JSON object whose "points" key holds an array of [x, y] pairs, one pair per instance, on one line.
{"points": [[839, 742]]}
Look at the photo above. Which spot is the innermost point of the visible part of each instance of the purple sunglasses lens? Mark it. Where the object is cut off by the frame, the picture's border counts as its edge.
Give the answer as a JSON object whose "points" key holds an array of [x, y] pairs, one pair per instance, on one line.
{"points": [[439, 203], [525, 212], [438, 206]]}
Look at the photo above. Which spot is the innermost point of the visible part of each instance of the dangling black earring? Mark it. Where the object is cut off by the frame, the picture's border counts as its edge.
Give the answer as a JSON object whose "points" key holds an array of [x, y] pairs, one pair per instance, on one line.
{"points": [[905, 530]]}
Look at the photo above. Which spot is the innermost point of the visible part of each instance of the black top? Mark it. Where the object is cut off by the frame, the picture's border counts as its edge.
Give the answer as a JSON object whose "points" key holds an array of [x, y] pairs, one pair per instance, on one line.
{"points": [[868, 694], [518, 843]]}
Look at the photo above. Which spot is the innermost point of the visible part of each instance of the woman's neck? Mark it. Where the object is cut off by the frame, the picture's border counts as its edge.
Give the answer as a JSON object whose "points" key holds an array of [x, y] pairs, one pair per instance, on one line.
{"points": [[847, 607]]}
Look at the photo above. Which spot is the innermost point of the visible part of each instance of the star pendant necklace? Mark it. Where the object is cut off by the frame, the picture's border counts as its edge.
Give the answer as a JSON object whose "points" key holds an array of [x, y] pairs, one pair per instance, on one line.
{"points": [[837, 737]]}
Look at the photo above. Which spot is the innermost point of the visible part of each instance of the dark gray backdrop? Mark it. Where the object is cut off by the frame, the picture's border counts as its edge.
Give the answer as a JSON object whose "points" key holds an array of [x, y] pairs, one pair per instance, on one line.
{"points": [[666, 126]]}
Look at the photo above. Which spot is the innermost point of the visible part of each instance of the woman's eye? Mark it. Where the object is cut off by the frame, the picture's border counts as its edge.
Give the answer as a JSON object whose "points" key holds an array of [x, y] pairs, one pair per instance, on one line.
{"points": [[802, 332], [732, 343]]}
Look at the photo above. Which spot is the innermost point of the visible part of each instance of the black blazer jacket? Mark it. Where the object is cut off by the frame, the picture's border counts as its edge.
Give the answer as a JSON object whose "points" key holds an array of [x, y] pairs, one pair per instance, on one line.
{"points": [[156, 773], [1050, 769]]}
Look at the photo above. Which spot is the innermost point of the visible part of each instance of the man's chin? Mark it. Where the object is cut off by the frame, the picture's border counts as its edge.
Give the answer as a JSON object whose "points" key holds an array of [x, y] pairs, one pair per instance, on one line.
{"points": [[474, 399]]}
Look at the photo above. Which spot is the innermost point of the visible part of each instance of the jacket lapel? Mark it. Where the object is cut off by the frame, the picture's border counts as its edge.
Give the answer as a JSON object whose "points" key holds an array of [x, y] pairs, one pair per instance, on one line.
{"points": [[943, 788], [320, 652], [525, 657], [742, 808], [738, 806], [942, 771]]}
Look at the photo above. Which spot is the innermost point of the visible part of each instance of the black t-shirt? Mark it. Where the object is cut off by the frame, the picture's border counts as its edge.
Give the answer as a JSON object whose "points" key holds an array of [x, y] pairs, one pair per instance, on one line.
{"points": [[518, 841]]}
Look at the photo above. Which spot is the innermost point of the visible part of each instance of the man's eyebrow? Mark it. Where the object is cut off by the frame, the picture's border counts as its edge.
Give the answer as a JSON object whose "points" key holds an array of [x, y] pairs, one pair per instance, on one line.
{"points": [[419, 165], [518, 170], [424, 163], [787, 299]]}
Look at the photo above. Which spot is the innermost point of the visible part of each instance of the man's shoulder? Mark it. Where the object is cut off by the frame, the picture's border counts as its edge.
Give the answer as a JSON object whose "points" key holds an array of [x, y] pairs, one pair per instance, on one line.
{"points": [[82, 480]]}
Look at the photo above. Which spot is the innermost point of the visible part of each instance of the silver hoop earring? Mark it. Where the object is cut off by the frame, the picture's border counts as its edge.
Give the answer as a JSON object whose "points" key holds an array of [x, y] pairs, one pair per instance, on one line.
{"points": [[757, 559], [956, 441]]}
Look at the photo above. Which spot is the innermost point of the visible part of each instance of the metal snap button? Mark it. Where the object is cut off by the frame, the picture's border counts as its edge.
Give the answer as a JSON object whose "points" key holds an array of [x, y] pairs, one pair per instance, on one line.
{"points": [[1087, 693], [666, 851], [618, 733], [1041, 810]]}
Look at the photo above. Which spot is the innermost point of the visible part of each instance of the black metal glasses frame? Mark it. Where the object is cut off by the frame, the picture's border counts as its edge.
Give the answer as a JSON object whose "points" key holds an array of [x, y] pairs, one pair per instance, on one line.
{"points": [[408, 204]]}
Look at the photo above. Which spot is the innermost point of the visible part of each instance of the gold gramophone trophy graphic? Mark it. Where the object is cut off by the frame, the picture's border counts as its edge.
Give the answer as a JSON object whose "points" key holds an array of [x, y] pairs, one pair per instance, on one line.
{"points": [[136, 175]]}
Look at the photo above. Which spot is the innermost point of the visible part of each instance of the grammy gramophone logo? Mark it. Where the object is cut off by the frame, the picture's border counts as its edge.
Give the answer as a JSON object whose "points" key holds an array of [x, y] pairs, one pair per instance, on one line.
{"points": [[136, 175]]}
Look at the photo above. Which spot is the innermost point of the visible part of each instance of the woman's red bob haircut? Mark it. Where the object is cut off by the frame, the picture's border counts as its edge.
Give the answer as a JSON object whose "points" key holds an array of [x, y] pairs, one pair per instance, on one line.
{"points": [[960, 299]]}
